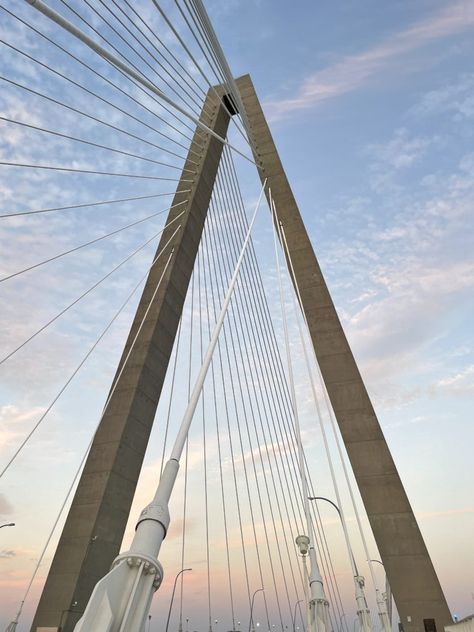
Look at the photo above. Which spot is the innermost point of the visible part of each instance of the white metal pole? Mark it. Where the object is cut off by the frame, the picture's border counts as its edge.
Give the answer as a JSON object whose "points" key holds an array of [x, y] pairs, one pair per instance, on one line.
{"points": [[121, 600]]}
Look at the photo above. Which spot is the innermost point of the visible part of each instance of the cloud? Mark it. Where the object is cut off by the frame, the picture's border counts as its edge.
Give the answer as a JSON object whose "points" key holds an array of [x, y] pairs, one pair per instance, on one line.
{"points": [[354, 71], [175, 530], [402, 150], [441, 514], [401, 277], [463, 381], [14, 423], [456, 98], [7, 554], [6, 508]]}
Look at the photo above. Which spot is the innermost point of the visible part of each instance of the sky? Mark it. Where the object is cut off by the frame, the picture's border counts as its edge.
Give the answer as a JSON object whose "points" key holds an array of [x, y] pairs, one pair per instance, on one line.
{"points": [[371, 106]]}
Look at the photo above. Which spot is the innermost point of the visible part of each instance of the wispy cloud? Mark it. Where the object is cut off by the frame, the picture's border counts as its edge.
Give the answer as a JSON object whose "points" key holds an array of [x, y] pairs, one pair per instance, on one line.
{"points": [[441, 514], [463, 381], [456, 98], [5, 506], [353, 71]]}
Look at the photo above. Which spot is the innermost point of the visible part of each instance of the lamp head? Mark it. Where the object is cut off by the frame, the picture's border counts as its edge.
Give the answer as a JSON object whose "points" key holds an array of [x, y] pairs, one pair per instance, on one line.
{"points": [[302, 542]]}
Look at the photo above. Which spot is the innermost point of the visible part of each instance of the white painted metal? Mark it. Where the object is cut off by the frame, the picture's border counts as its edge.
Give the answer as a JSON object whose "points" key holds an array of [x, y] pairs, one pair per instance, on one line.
{"points": [[121, 600], [103, 52], [363, 612]]}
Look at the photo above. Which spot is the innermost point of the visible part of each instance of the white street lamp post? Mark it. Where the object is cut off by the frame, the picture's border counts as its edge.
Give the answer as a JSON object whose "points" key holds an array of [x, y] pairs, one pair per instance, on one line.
{"points": [[363, 612]]}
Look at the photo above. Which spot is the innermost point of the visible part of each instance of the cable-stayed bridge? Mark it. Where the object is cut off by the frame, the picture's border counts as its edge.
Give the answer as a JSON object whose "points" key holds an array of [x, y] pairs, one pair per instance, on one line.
{"points": [[130, 134]]}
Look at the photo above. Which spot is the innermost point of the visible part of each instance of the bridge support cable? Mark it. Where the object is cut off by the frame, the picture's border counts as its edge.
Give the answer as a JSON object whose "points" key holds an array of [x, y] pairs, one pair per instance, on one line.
{"points": [[14, 623], [176, 65], [89, 353], [281, 391], [138, 413], [131, 64], [12, 626], [100, 98], [213, 62], [232, 378], [188, 99], [88, 291], [88, 116], [131, 72], [318, 606], [251, 351], [204, 438], [128, 588], [363, 611], [238, 311], [94, 145], [258, 308], [192, 57], [210, 35], [239, 353], [381, 599], [249, 310], [248, 415], [93, 241], [245, 322], [212, 314], [176, 75], [362, 608], [128, 63], [95, 72], [217, 285], [188, 96], [381, 605], [89, 204], [186, 449], [237, 332], [244, 312], [88, 171]]}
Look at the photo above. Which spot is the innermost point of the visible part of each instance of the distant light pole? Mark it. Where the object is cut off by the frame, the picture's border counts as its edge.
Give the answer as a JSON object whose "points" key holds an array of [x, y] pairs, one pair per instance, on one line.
{"points": [[149, 622], [251, 608], [183, 570], [7, 524], [363, 611], [294, 613]]}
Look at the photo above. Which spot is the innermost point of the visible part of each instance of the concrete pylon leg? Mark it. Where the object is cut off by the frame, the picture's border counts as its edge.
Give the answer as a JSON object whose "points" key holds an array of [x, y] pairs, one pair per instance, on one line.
{"points": [[94, 528], [415, 586]]}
